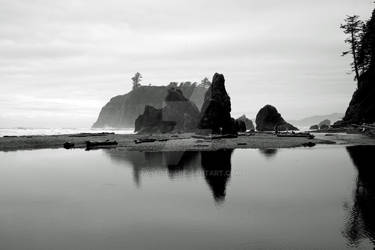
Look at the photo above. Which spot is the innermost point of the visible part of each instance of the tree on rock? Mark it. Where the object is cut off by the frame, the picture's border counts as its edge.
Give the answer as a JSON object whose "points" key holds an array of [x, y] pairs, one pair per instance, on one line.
{"points": [[137, 78], [205, 83], [353, 27]]}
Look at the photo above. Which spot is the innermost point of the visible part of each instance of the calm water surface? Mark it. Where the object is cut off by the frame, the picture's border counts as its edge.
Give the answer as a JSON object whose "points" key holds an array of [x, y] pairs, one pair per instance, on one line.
{"points": [[318, 198]]}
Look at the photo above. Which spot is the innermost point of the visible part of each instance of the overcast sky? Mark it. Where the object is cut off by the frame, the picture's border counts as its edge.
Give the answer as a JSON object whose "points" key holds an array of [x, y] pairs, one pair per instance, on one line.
{"points": [[61, 61]]}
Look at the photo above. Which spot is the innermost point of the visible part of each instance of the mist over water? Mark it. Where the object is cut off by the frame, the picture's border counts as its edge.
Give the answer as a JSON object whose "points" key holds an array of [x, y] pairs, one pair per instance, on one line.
{"points": [[316, 198]]}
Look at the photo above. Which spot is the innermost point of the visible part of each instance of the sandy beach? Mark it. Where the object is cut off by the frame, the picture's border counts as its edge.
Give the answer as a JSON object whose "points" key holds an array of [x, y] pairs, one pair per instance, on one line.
{"points": [[181, 142]]}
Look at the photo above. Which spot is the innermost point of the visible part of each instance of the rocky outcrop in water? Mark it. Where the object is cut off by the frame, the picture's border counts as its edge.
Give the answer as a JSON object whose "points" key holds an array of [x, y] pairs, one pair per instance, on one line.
{"points": [[248, 123], [179, 115], [268, 118], [215, 113], [122, 111]]}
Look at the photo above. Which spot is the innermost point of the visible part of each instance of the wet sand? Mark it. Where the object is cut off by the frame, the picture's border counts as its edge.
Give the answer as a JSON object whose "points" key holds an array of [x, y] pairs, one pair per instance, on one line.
{"points": [[181, 142]]}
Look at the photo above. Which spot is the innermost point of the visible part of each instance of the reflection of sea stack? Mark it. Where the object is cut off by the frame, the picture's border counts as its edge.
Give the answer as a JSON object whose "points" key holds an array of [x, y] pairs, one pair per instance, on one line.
{"points": [[217, 171], [361, 223], [215, 112], [146, 162]]}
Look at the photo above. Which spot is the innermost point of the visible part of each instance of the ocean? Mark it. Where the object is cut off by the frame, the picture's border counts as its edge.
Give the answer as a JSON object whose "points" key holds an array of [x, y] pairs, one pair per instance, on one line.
{"points": [[59, 131]]}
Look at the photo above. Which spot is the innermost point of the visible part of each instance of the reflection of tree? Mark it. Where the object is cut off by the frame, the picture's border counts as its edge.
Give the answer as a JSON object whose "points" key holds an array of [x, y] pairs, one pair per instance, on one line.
{"points": [[361, 223], [215, 164], [217, 171], [268, 152]]}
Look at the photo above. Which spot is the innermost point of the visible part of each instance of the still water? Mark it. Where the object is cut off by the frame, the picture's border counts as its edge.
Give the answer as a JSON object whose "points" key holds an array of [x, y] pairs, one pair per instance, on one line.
{"points": [[316, 198]]}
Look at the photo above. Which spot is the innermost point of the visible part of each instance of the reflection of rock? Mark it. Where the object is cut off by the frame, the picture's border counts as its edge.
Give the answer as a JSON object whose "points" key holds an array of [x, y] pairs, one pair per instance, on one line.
{"points": [[173, 162], [268, 152], [217, 171], [215, 113], [268, 118], [179, 114], [361, 223], [216, 165], [248, 123]]}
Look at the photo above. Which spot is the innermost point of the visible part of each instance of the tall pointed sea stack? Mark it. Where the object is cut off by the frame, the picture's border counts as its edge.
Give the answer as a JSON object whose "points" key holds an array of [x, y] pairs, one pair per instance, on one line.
{"points": [[215, 113]]}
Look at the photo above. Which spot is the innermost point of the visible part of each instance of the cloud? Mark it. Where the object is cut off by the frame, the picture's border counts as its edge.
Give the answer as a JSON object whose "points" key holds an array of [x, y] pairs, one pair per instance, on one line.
{"points": [[85, 52]]}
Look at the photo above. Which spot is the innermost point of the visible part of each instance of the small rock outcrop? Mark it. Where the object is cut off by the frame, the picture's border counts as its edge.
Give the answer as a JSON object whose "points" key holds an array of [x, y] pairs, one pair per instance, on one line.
{"points": [[215, 113], [314, 127], [269, 119], [240, 125], [179, 115], [248, 123], [325, 124]]}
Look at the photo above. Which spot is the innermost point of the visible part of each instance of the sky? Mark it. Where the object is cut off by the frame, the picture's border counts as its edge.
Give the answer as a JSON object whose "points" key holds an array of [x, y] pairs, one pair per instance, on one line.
{"points": [[61, 61]]}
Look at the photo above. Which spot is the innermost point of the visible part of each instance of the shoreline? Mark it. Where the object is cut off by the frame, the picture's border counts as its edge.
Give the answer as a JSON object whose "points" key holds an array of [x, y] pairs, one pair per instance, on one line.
{"points": [[180, 142]]}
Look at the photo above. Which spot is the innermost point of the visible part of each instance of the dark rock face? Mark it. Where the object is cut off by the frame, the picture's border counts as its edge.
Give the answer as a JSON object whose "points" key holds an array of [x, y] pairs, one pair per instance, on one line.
{"points": [[248, 123], [151, 122], [240, 125], [215, 113], [121, 111], [179, 115], [268, 118], [362, 106], [314, 127]]}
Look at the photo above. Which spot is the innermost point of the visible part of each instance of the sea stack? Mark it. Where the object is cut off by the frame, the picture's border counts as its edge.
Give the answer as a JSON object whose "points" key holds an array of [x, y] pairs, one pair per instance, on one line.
{"points": [[269, 119], [248, 123], [215, 113], [179, 115]]}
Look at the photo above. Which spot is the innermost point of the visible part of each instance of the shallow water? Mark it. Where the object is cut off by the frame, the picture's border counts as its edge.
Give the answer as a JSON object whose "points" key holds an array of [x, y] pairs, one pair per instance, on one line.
{"points": [[317, 198]]}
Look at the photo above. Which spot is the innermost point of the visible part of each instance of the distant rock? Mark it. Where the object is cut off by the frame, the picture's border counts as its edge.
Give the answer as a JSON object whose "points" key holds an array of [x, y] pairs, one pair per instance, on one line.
{"points": [[324, 124], [179, 115], [248, 123], [121, 111], [314, 127], [306, 122], [268, 118], [240, 125], [215, 113]]}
